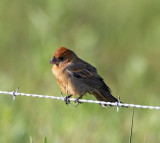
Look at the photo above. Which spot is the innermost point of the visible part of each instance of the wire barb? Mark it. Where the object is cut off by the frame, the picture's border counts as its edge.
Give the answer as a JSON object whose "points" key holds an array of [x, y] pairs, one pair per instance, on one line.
{"points": [[14, 93], [117, 104]]}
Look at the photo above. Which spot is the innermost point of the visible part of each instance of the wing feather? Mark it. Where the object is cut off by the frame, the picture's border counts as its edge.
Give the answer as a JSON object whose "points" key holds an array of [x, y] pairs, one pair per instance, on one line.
{"points": [[88, 75]]}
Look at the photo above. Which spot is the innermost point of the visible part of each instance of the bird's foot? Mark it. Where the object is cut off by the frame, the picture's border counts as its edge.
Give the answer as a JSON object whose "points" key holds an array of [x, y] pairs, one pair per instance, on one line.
{"points": [[77, 101], [66, 99]]}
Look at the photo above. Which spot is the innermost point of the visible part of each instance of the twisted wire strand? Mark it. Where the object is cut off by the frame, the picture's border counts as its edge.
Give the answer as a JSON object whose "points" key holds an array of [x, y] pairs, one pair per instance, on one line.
{"points": [[117, 104]]}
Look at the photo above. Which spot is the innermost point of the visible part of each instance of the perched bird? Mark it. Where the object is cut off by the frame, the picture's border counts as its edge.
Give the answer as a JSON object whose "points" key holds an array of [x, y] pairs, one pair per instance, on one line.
{"points": [[77, 77]]}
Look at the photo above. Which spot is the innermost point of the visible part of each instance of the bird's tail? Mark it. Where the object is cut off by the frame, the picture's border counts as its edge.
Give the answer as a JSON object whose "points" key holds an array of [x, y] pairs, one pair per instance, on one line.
{"points": [[105, 96]]}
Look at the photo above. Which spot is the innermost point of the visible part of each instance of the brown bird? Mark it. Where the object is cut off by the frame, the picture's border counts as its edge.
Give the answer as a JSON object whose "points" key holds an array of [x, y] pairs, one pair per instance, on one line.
{"points": [[77, 77]]}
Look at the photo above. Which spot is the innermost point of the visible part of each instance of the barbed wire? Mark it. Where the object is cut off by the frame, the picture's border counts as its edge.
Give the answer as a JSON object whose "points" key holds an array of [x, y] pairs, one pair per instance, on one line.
{"points": [[117, 104]]}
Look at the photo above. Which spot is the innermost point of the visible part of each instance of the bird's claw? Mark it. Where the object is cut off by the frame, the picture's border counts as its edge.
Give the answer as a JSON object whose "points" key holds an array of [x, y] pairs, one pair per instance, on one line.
{"points": [[66, 99], [77, 101]]}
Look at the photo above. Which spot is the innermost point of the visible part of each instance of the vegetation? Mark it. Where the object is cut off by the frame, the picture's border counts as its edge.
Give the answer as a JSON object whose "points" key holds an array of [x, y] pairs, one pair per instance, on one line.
{"points": [[120, 38]]}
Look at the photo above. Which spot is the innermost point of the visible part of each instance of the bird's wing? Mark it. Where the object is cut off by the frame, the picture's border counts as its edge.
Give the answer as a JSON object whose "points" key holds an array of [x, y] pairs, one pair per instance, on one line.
{"points": [[81, 70], [88, 75]]}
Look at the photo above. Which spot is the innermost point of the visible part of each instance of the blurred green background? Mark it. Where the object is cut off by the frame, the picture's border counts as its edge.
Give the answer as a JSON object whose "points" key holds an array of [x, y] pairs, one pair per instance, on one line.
{"points": [[120, 38]]}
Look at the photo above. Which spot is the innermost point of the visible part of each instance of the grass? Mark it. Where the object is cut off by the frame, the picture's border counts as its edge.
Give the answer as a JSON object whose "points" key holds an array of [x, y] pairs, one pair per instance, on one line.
{"points": [[44, 140]]}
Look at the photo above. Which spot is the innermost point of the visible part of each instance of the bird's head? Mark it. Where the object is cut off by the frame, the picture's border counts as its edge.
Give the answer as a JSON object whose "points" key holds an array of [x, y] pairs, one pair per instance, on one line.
{"points": [[62, 56]]}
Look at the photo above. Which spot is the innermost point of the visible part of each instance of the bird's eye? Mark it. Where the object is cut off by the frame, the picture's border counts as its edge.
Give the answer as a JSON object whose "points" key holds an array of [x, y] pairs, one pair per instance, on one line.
{"points": [[61, 58]]}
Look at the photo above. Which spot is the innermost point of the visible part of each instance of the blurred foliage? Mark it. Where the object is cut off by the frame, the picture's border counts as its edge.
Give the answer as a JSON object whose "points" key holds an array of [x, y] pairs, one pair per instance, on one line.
{"points": [[45, 140], [120, 38]]}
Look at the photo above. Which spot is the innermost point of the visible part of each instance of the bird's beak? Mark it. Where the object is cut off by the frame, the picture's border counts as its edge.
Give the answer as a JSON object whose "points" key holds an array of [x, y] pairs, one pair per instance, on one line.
{"points": [[53, 61]]}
